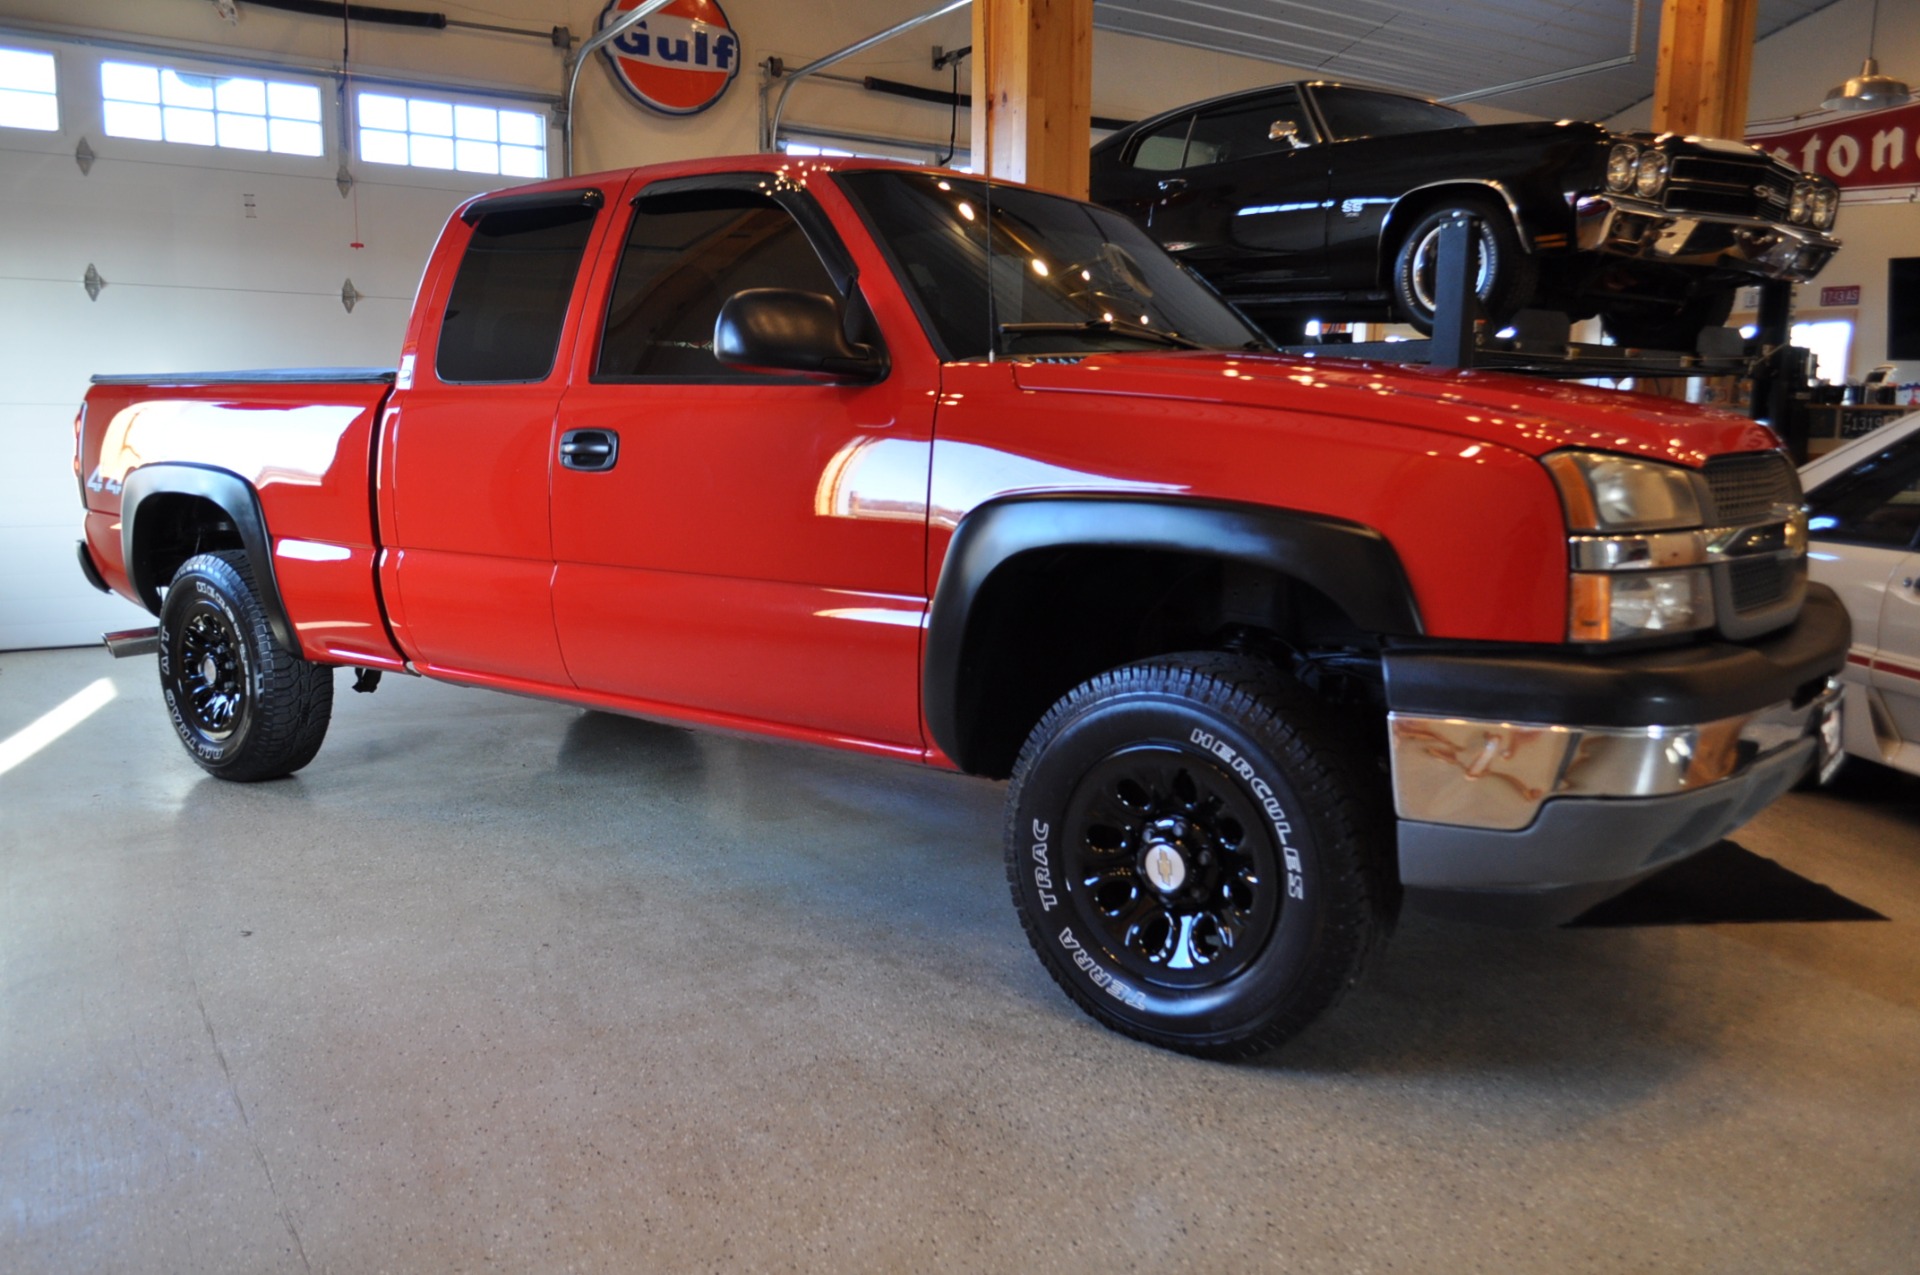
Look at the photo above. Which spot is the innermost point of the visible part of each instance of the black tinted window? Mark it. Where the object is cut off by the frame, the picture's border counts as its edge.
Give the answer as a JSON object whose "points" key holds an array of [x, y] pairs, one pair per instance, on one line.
{"points": [[1356, 113], [1163, 148], [685, 255], [1877, 501], [1246, 131], [1066, 277], [510, 298]]}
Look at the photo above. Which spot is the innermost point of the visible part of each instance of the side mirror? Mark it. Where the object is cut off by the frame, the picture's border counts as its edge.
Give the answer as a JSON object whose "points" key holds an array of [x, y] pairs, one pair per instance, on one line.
{"points": [[785, 330], [1285, 131]]}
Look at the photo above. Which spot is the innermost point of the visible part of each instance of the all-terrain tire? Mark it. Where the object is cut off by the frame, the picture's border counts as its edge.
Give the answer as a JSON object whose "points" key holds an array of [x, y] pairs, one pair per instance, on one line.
{"points": [[1199, 854], [244, 706]]}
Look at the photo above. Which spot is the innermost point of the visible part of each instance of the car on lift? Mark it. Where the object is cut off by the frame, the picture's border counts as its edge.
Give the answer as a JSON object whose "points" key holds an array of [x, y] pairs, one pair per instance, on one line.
{"points": [[1864, 525], [1323, 200]]}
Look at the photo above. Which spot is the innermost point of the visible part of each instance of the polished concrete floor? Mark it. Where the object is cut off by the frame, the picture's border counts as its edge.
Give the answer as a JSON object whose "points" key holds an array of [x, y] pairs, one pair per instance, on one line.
{"points": [[498, 984]]}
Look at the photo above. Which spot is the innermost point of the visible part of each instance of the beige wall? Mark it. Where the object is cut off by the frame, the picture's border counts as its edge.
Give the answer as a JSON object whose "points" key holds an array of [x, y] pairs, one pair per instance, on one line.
{"points": [[1792, 71]]}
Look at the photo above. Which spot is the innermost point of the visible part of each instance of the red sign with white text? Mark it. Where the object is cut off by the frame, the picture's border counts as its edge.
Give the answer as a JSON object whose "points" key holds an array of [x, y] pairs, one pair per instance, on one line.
{"points": [[1873, 156], [1846, 294]]}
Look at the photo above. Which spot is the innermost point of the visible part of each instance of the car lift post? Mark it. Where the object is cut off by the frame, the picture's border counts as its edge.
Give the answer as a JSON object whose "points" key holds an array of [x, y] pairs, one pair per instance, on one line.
{"points": [[1455, 327]]}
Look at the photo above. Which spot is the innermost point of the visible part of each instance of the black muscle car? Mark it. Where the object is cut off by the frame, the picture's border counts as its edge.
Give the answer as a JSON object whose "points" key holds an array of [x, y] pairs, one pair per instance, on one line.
{"points": [[1326, 200]]}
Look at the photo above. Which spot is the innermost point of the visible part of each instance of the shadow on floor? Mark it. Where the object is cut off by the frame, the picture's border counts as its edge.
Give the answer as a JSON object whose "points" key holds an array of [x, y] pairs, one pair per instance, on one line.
{"points": [[1725, 884]]}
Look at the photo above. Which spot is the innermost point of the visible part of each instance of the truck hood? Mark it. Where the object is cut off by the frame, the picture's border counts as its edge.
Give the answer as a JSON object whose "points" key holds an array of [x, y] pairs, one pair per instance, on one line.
{"points": [[1499, 408]]}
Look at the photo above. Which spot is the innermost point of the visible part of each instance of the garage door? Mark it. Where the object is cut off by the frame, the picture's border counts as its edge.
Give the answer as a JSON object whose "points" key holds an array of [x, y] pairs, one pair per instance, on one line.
{"points": [[171, 214]]}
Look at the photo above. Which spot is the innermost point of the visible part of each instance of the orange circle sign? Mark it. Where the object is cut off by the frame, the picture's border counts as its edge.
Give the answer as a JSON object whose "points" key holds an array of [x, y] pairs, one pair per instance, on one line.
{"points": [[678, 60]]}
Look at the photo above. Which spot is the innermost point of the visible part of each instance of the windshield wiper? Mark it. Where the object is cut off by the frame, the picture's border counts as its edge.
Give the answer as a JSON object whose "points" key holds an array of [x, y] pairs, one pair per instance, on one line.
{"points": [[1101, 327]]}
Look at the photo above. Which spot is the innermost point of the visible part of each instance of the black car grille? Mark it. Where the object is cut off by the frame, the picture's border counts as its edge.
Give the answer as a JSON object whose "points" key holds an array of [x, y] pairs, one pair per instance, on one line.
{"points": [[1738, 187], [1759, 583], [1747, 487]]}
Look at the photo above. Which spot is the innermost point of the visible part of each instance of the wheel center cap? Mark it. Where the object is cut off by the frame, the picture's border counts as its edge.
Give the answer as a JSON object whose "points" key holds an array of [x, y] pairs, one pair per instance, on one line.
{"points": [[210, 670], [1165, 868]]}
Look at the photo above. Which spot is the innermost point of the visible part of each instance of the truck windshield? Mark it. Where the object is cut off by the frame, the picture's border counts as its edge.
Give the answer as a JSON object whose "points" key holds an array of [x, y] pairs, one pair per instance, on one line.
{"points": [[1067, 278]]}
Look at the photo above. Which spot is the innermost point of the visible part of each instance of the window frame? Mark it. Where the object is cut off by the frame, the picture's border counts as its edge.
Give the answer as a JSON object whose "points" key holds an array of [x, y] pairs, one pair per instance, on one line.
{"points": [[814, 225], [183, 67], [10, 44], [353, 147]]}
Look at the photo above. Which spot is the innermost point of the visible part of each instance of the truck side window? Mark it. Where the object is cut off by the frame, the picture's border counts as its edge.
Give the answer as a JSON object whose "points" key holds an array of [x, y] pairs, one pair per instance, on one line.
{"points": [[685, 255], [509, 300]]}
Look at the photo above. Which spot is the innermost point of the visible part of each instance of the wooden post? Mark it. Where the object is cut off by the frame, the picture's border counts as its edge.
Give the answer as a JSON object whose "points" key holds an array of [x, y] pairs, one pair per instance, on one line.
{"points": [[1706, 58], [1033, 92]]}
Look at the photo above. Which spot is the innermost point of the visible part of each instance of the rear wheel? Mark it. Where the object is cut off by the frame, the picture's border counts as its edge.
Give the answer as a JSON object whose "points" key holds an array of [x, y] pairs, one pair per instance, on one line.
{"points": [[1197, 855], [245, 706]]}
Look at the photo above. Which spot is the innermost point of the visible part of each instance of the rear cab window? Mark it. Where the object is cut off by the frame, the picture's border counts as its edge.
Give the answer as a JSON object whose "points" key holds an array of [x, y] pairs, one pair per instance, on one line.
{"points": [[509, 300]]}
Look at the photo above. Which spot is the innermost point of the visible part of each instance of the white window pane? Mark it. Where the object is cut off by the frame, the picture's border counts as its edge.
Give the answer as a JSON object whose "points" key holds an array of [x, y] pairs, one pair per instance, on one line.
{"points": [[383, 148], [522, 161], [377, 110], [430, 117], [128, 119], [195, 128], [522, 129], [294, 102], [32, 72], [178, 89], [29, 110], [432, 152], [241, 97], [125, 82], [292, 137], [243, 132], [476, 157], [476, 123]]}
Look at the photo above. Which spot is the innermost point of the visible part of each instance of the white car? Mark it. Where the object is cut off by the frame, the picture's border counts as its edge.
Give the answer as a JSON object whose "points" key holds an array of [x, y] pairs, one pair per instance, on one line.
{"points": [[1864, 503]]}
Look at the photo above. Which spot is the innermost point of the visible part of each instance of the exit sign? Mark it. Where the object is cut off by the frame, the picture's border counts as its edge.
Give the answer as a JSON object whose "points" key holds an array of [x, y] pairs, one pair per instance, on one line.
{"points": [[1848, 295]]}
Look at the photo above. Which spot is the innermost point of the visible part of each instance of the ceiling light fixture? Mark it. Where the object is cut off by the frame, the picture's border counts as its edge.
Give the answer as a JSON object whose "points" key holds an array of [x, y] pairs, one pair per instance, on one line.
{"points": [[1869, 90]]}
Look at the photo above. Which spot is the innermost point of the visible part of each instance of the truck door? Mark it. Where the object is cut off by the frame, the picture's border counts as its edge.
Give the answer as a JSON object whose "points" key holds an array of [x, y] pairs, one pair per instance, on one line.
{"points": [[735, 545], [463, 475]]}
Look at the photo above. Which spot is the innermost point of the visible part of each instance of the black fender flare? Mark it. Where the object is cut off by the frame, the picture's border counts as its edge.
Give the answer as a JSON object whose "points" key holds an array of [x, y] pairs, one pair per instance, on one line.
{"points": [[236, 498], [1352, 564]]}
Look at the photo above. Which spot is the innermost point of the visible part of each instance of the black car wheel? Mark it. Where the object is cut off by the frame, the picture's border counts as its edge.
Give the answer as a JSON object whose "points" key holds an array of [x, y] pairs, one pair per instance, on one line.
{"points": [[1650, 325], [244, 706], [1503, 274], [1197, 854]]}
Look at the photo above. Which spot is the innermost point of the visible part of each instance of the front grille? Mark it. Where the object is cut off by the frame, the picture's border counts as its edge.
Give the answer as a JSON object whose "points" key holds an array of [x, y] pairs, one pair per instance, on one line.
{"points": [[1759, 583], [1747, 487], [1748, 188]]}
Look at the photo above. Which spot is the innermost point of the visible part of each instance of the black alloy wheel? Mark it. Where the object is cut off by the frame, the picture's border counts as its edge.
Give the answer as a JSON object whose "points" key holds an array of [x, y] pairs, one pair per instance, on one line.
{"points": [[1199, 854], [244, 706]]}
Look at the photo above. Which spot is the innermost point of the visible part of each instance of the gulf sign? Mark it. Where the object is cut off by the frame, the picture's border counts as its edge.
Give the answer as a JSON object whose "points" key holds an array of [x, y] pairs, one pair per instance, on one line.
{"points": [[1874, 156], [678, 60]]}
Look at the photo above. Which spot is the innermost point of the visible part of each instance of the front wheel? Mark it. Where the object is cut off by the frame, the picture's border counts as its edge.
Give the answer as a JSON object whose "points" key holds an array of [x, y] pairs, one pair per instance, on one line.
{"points": [[1197, 854], [245, 706], [1501, 272]]}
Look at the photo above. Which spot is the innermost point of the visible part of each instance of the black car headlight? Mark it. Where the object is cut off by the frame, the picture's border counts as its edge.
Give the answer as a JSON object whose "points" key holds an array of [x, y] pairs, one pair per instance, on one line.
{"points": [[1651, 177], [1622, 161]]}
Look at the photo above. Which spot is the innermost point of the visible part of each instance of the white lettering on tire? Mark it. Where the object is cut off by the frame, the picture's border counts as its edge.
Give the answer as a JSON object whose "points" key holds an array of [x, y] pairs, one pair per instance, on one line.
{"points": [[1043, 867], [1098, 975], [1264, 794]]}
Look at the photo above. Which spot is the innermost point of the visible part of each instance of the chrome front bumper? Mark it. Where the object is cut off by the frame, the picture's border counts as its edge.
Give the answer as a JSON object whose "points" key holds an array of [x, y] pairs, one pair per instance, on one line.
{"points": [[1532, 824], [1631, 228]]}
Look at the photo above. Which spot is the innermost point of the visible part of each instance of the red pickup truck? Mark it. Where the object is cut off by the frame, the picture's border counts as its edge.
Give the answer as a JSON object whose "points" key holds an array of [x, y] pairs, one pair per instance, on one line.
{"points": [[977, 477]]}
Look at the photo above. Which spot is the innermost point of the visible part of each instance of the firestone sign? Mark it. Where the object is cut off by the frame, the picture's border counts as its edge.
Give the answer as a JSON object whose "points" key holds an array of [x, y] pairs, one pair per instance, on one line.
{"points": [[1874, 156], [678, 60]]}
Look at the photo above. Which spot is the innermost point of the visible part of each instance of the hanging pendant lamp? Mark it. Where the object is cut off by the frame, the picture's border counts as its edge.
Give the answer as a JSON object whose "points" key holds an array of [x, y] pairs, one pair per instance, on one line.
{"points": [[1869, 90]]}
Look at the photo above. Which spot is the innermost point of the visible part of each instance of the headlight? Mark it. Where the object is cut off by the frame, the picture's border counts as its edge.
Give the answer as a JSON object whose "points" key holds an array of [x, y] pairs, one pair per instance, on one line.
{"points": [[1621, 162], [1634, 604], [1802, 205], [1826, 207], [1604, 492], [1628, 580], [1652, 177]]}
